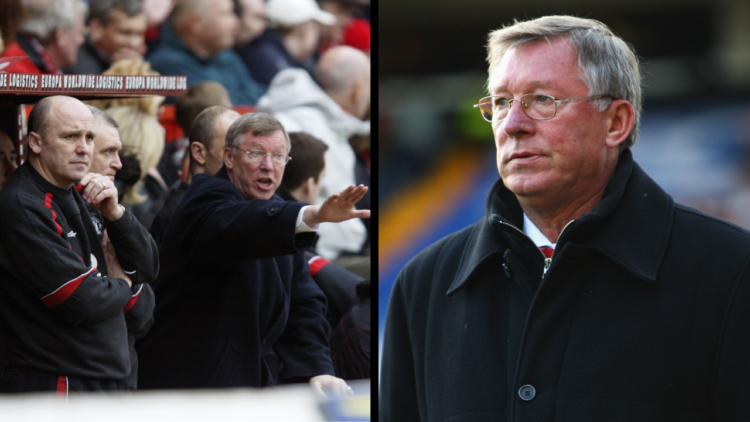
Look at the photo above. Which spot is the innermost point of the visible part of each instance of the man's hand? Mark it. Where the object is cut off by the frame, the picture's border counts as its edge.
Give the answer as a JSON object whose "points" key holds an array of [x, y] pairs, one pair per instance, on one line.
{"points": [[101, 193], [113, 265], [125, 53], [337, 207], [327, 382]]}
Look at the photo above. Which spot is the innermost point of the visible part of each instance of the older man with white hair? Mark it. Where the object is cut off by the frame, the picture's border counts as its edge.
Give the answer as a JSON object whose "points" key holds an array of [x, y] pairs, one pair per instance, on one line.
{"points": [[50, 37], [585, 293]]}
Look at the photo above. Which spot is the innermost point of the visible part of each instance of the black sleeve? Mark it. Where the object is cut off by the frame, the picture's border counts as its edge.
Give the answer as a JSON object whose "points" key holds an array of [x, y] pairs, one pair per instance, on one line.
{"points": [[46, 266], [135, 248], [303, 347], [218, 218], [338, 285], [139, 311]]}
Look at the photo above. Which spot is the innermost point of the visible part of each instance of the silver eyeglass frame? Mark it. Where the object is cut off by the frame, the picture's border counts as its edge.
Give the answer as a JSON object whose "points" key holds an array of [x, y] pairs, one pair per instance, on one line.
{"points": [[525, 105]]}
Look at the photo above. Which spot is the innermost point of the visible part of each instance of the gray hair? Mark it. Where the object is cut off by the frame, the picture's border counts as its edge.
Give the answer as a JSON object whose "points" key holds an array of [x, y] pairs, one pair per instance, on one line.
{"points": [[45, 16], [101, 114], [258, 124], [608, 64]]}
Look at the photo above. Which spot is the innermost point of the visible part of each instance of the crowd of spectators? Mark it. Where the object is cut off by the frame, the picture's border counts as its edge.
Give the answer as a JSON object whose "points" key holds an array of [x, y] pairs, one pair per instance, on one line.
{"points": [[292, 74]]}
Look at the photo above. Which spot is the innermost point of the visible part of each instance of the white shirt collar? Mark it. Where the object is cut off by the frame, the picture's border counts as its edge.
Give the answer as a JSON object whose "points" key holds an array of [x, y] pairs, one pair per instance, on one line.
{"points": [[535, 234]]}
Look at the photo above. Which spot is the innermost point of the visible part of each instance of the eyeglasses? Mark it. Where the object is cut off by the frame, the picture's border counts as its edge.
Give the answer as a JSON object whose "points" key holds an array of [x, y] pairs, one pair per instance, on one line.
{"points": [[536, 106], [258, 156]]}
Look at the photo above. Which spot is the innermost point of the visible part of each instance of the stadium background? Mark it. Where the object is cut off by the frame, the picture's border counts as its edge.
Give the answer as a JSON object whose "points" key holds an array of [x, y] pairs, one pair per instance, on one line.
{"points": [[436, 154]]}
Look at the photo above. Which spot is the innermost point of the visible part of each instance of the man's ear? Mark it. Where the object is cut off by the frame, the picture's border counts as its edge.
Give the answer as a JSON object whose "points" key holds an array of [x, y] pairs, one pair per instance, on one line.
{"points": [[620, 122], [35, 142], [198, 152], [228, 158]]}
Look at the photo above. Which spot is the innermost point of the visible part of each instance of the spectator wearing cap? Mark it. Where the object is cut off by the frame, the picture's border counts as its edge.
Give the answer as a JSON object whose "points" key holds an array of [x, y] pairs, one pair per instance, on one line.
{"points": [[50, 37], [118, 31], [290, 42], [331, 110], [198, 43]]}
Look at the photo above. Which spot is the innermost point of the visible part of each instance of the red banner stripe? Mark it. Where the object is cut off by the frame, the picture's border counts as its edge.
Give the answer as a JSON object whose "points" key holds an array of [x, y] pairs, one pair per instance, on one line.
{"points": [[128, 306], [317, 263], [63, 292]]}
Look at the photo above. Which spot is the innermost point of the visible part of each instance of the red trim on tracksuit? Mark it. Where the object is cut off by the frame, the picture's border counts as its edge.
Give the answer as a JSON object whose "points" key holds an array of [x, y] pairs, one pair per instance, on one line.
{"points": [[128, 306], [62, 387], [63, 292], [317, 263], [48, 204]]}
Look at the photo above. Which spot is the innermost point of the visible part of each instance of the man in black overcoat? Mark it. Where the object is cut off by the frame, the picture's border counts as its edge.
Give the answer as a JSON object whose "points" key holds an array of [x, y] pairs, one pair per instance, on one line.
{"points": [[235, 304], [586, 293]]}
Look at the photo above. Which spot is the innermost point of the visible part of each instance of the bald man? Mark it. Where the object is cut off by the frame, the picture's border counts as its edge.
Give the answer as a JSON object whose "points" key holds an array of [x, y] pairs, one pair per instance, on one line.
{"points": [[198, 43], [63, 299], [206, 155], [331, 110]]}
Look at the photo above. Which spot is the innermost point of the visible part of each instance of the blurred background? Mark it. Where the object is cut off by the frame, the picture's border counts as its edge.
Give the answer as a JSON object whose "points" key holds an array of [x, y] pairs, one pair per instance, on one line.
{"points": [[436, 153]]}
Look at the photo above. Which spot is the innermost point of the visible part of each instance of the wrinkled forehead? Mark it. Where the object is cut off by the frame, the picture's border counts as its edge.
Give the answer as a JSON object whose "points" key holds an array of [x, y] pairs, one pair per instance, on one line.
{"points": [[272, 142], [105, 135], [543, 56]]}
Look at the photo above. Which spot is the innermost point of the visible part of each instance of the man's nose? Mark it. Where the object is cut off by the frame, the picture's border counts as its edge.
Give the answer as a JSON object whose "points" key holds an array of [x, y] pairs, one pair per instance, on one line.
{"points": [[116, 163], [83, 147], [267, 162], [517, 122]]}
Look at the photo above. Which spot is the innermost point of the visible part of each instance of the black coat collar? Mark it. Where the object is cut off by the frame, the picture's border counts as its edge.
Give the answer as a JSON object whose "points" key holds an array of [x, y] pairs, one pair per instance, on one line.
{"points": [[630, 226]]}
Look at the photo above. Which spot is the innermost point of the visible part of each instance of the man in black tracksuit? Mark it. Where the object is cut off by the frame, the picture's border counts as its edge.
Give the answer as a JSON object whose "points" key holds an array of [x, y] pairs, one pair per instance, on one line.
{"points": [[64, 319], [139, 314]]}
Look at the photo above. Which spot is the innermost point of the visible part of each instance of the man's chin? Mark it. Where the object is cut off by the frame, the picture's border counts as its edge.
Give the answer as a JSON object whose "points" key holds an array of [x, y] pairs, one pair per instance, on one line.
{"points": [[527, 185]]}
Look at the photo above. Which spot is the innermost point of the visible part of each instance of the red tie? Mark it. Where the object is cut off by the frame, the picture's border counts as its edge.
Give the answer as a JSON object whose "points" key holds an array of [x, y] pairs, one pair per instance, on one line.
{"points": [[547, 251]]}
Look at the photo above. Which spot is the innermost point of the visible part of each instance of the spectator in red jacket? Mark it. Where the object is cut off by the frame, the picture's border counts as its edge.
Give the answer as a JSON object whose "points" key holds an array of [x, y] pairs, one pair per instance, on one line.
{"points": [[51, 36]]}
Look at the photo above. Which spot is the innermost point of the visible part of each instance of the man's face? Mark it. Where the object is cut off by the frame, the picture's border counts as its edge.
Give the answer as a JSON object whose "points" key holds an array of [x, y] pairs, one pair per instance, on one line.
{"points": [[563, 156], [257, 180], [215, 156], [106, 160], [219, 25], [69, 41], [66, 144], [7, 158], [122, 32], [252, 21]]}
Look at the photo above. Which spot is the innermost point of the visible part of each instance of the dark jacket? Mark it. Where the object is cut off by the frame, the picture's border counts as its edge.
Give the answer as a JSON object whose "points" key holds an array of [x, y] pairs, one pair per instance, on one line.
{"points": [[173, 57], [90, 60], [236, 306], [266, 56], [350, 339], [63, 314], [165, 212], [139, 257], [642, 316]]}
